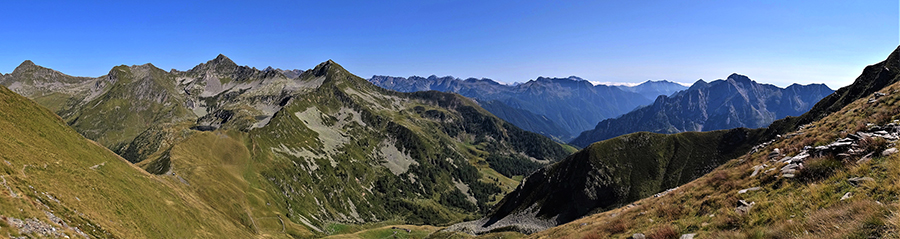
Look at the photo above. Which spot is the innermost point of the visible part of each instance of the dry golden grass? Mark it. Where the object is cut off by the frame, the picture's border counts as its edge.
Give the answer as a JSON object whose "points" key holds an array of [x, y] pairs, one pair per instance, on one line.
{"points": [[663, 232]]}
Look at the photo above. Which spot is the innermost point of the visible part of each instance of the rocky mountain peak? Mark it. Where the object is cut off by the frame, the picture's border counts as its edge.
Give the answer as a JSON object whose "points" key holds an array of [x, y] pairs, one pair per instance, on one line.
{"points": [[739, 78], [699, 84], [324, 67], [25, 66], [222, 59]]}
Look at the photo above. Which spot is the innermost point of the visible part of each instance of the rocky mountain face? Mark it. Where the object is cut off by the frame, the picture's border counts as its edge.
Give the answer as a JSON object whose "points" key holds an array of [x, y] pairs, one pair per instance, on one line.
{"points": [[721, 166], [526, 119], [722, 104], [572, 104], [325, 146], [652, 89]]}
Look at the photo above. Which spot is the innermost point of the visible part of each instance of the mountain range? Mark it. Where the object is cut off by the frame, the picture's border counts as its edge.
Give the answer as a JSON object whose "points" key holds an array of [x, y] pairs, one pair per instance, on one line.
{"points": [[556, 107], [827, 173], [307, 153], [607, 177], [734, 102], [223, 150]]}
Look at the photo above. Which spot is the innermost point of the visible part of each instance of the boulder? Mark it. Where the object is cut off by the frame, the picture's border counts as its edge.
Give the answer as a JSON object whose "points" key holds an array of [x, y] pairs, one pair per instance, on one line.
{"points": [[756, 169], [638, 236], [742, 191], [840, 144], [744, 207], [865, 159], [846, 196], [800, 157], [790, 166], [888, 152], [688, 236], [856, 181]]}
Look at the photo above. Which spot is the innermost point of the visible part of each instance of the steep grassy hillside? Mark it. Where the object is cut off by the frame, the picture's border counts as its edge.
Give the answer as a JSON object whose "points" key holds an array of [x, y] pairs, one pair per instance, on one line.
{"points": [[609, 174], [527, 213], [785, 189], [351, 152], [57, 183], [281, 156], [300, 156], [137, 98]]}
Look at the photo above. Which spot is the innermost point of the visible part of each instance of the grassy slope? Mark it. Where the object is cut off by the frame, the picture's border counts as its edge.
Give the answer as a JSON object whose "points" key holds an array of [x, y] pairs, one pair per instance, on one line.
{"points": [[258, 190], [784, 208], [141, 97], [614, 172], [252, 180], [50, 167], [352, 180]]}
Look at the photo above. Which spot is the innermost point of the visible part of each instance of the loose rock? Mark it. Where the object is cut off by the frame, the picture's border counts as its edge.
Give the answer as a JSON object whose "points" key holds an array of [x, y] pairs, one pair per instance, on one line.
{"points": [[742, 191], [744, 207], [856, 181], [888, 152], [846, 196]]}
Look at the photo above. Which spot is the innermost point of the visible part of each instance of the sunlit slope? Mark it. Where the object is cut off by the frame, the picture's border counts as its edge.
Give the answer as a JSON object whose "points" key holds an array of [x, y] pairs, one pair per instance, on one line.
{"points": [[343, 151], [56, 176]]}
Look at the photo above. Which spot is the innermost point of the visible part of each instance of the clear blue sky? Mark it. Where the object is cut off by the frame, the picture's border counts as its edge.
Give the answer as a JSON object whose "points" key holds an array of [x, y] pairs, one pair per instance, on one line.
{"points": [[777, 42]]}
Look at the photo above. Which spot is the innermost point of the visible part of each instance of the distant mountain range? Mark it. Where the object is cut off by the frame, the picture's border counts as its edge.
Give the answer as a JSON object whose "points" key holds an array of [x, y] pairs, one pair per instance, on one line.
{"points": [[556, 107], [734, 102]]}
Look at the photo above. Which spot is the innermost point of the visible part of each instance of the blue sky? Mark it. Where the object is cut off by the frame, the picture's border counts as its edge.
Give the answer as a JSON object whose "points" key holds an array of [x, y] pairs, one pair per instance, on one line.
{"points": [[778, 42]]}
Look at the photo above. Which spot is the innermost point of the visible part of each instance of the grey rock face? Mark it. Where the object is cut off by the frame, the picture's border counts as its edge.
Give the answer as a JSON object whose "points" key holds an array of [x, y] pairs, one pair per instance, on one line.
{"points": [[722, 104]]}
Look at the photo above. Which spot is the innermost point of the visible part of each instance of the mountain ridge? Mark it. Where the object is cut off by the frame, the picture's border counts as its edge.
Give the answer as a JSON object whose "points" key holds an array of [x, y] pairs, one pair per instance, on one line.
{"points": [[327, 146], [734, 102], [830, 166], [713, 195], [572, 103]]}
